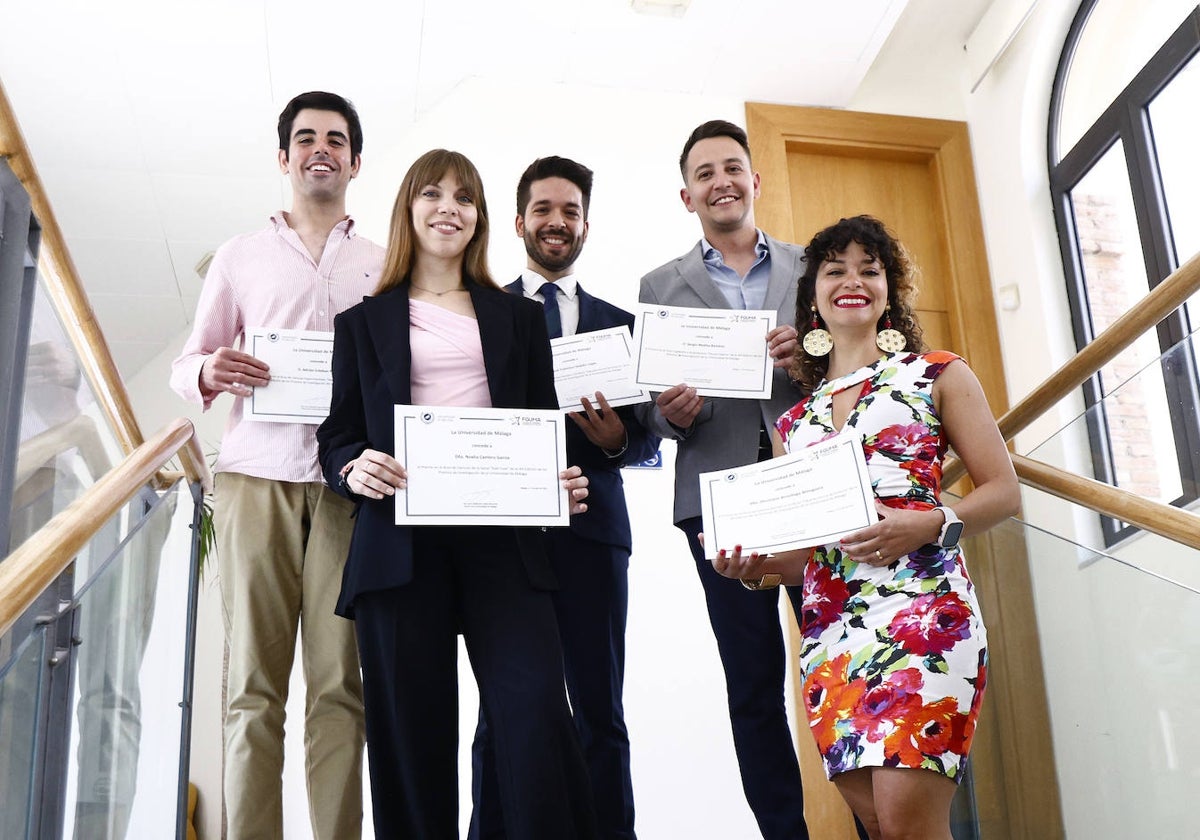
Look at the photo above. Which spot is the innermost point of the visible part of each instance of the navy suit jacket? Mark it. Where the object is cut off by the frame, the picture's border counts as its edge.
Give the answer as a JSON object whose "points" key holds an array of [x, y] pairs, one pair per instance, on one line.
{"points": [[371, 374], [607, 517]]}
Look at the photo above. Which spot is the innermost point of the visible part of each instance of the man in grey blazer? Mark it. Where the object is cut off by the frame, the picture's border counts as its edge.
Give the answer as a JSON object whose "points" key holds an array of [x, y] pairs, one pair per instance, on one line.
{"points": [[735, 266]]}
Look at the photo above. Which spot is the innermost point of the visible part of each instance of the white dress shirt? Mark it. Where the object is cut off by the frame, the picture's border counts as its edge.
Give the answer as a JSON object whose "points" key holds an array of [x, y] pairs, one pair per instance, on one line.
{"points": [[568, 297]]}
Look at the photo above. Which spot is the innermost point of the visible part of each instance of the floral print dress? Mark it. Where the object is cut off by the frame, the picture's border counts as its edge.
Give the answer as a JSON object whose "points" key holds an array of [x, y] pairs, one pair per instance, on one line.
{"points": [[893, 658]]}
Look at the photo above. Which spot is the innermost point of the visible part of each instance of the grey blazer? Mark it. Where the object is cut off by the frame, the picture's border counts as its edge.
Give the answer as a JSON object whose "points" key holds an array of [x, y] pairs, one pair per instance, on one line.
{"points": [[725, 433]]}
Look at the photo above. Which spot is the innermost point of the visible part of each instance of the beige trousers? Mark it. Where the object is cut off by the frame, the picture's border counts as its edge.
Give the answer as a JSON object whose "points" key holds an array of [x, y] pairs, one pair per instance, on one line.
{"points": [[281, 547]]}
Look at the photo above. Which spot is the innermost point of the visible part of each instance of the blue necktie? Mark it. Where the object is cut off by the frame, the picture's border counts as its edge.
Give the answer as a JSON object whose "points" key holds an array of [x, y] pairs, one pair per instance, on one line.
{"points": [[550, 303]]}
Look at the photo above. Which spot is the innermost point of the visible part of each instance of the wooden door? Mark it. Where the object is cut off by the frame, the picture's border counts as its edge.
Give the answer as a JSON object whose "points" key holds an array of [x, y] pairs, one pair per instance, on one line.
{"points": [[916, 175]]}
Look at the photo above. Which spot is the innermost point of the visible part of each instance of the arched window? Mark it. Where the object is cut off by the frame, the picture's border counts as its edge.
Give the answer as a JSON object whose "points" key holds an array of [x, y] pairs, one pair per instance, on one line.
{"points": [[1125, 181]]}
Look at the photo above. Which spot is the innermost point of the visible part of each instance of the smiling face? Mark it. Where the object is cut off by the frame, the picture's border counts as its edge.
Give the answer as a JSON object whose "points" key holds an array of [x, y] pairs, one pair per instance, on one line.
{"points": [[851, 289], [318, 160], [721, 187], [553, 226], [444, 218]]}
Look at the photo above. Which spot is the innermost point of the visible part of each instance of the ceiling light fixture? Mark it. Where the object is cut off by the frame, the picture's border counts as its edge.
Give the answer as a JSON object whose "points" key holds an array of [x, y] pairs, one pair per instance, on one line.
{"points": [[661, 8]]}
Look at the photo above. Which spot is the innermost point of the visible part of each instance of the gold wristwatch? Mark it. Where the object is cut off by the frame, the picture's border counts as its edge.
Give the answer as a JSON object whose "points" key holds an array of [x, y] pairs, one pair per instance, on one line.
{"points": [[764, 582]]}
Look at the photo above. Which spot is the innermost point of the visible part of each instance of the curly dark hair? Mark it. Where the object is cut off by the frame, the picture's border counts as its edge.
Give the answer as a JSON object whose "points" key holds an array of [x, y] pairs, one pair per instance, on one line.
{"points": [[876, 240]]}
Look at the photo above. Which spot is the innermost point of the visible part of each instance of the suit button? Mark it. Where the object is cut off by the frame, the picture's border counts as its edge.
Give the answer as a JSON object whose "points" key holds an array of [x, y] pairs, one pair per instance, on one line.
{"points": [[544, 529]]}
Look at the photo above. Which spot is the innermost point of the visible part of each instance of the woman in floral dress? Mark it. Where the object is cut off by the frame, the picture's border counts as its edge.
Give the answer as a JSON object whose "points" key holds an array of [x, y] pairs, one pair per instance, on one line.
{"points": [[894, 653]]}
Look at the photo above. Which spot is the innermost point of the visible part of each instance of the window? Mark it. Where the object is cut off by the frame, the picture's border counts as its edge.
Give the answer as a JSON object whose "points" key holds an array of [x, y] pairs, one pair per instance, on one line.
{"points": [[1128, 214]]}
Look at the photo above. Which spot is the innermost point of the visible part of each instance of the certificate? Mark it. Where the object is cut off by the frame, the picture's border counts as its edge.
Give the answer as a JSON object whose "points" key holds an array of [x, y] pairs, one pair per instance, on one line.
{"points": [[301, 379], [481, 466], [588, 362], [719, 352], [799, 500]]}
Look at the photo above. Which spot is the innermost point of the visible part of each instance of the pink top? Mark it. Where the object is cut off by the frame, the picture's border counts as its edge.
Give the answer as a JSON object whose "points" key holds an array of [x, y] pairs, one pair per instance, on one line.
{"points": [[447, 358], [268, 279]]}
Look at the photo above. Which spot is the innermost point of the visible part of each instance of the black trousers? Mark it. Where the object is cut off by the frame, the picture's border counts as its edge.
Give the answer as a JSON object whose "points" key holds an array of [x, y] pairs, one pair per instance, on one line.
{"points": [[468, 580], [591, 605]]}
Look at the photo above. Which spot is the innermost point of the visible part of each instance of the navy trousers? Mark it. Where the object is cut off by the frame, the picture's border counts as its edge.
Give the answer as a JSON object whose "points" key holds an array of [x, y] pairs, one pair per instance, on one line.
{"points": [[751, 645]]}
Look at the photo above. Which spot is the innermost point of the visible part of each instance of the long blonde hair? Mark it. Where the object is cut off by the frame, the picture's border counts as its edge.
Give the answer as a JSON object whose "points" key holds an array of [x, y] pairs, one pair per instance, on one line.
{"points": [[430, 168]]}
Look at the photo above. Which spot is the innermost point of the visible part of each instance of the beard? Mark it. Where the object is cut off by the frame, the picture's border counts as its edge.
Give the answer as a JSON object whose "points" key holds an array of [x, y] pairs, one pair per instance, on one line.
{"points": [[550, 261]]}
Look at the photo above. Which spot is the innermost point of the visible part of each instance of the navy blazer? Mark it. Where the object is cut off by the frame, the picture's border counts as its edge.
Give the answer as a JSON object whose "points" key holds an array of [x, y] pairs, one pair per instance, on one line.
{"points": [[371, 374], [607, 517]]}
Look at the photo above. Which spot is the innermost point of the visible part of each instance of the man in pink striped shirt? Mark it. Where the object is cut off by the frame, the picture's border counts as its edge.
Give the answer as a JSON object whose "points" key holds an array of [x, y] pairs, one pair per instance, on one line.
{"points": [[282, 535]]}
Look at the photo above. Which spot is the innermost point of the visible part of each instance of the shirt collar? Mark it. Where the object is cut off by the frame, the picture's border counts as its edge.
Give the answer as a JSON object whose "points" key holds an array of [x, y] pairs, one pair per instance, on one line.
{"points": [[346, 225], [532, 282], [711, 254]]}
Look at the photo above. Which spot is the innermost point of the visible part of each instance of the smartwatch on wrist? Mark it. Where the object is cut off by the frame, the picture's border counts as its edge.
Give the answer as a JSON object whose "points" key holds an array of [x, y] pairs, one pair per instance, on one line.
{"points": [[951, 530]]}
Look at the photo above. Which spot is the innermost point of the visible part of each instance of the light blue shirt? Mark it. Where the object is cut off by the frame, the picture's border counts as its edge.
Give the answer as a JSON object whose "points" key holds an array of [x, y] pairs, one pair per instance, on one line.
{"points": [[747, 292]]}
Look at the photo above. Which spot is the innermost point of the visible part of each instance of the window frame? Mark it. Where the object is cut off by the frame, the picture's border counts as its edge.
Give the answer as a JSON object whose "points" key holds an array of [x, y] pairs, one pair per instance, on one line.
{"points": [[1127, 119]]}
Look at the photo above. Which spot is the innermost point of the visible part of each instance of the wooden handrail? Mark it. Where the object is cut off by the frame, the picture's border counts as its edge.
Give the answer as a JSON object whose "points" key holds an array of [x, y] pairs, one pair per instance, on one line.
{"points": [[66, 290], [191, 456], [1168, 296], [1179, 525], [26, 573]]}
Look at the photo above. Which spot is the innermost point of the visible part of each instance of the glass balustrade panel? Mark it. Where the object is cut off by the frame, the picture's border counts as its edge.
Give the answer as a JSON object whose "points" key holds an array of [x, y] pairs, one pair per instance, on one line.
{"points": [[1120, 666], [65, 443], [23, 665], [124, 763], [1120, 649]]}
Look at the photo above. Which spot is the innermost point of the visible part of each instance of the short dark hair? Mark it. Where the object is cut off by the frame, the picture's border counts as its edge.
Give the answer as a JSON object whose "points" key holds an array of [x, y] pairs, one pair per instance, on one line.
{"points": [[320, 100], [713, 128], [554, 167]]}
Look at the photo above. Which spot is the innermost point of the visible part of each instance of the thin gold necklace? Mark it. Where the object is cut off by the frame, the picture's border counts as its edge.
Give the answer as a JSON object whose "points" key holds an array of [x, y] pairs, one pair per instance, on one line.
{"points": [[437, 294]]}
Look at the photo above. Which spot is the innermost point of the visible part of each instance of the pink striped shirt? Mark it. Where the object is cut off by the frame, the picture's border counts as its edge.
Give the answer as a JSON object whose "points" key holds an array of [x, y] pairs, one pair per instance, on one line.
{"points": [[268, 279]]}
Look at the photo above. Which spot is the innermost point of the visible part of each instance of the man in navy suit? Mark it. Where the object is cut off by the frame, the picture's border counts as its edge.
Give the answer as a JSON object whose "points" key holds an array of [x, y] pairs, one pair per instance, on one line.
{"points": [[591, 558]]}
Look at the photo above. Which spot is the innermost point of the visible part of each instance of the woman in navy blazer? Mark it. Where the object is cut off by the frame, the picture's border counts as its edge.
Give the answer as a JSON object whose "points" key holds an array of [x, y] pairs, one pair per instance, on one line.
{"points": [[411, 591]]}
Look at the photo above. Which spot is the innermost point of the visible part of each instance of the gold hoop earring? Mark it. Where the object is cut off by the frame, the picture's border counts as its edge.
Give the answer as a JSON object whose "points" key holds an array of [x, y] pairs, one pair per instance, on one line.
{"points": [[887, 339], [817, 341]]}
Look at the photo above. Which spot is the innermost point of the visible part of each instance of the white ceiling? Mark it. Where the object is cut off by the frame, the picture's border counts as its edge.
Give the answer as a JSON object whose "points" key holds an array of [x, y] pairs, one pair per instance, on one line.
{"points": [[151, 121]]}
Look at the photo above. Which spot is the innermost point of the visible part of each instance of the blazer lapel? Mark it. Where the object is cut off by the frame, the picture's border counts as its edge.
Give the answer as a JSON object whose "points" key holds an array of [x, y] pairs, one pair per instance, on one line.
{"points": [[516, 287], [692, 271], [495, 335], [786, 269], [587, 310], [387, 323]]}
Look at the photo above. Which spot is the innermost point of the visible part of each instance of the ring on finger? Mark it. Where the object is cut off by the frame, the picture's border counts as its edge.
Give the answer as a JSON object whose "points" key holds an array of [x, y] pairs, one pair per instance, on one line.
{"points": [[878, 556]]}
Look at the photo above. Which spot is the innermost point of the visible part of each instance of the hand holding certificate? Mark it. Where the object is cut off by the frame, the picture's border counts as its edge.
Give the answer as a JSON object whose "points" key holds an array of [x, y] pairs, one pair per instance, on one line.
{"points": [[588, 362], [720, 352], [481, 466], [799, 500], [301, 382]]}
